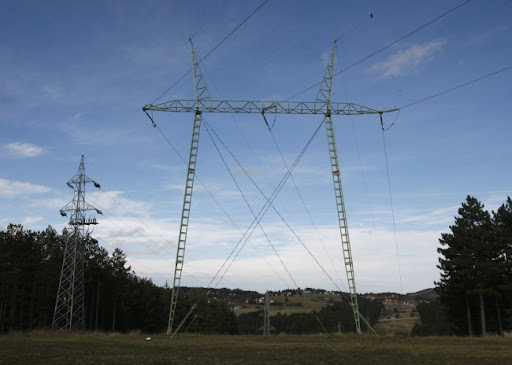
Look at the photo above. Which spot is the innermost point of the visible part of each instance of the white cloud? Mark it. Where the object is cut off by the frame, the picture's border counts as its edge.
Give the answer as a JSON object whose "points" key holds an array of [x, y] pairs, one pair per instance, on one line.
{"points": [[10, 188], [53, 91], [24, 149], [150, 244], [151, 248], [30, 220], [406, 60], [485, 35], [441, 216], [375, 260]]}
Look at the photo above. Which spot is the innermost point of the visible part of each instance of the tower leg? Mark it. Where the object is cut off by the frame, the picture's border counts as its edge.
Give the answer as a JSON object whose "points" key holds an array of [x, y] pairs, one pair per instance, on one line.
{"points": [[69, 306], [324, 96], [185, 214], [342, 220]]}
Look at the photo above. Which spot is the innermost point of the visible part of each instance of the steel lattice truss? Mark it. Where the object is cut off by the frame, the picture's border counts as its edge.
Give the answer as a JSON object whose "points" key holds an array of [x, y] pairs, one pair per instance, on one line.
{"points": [[69, 311], [322, 106], [248, 106]]}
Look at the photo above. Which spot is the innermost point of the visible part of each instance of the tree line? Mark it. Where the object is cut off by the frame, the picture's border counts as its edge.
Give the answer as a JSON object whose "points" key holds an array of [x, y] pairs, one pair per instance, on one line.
{"points": [[475, 287], [116, 299], [30, 267]]}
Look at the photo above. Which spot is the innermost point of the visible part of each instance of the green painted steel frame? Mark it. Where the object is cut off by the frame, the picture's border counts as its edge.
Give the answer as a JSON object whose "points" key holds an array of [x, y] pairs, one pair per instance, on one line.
{"points": [[324, 94], [201, 93], [322, 105], [251, 106]]}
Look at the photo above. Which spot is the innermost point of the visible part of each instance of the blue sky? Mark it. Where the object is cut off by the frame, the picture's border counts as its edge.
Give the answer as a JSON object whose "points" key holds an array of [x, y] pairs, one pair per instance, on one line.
{"points": [[75, 75]]}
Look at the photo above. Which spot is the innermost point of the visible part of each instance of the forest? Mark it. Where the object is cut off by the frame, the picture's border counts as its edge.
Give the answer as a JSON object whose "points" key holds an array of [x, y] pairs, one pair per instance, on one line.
{"points": [[116, 299]]}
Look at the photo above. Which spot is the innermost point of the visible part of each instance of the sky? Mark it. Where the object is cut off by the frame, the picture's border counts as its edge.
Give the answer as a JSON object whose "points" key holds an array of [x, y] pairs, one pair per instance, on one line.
{"points": [[75, 75]]}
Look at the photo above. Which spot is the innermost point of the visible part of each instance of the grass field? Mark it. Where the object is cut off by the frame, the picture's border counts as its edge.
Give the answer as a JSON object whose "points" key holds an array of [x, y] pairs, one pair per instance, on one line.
{"points": [[98, 348]]}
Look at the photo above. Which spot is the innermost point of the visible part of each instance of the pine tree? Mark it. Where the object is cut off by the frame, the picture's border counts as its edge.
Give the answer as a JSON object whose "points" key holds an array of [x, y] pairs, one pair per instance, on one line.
{"points": [[468, 267], [502, 224], [120, 274]]}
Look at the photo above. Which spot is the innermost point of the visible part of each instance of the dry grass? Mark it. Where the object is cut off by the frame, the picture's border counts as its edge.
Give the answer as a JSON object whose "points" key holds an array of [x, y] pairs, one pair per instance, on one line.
{"points": [[402, 327], [97, 348]]}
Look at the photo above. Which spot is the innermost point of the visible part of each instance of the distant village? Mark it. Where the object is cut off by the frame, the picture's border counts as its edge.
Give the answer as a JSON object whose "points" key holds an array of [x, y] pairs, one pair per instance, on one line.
{"points": [[237, 298]]}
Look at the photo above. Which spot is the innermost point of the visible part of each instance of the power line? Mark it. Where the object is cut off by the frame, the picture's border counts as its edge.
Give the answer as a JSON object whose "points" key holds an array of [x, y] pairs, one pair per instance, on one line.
{"points": [[259, 216], [386, 156], [164, 240], [392, 124], [268, 202], [455, 88], [209, 130], [207, 126], [214, 48], [391, 203], [135, 261], [197, 177], [234, 30], [385, 47], [303, 202], [209, 193], [166, 260]]}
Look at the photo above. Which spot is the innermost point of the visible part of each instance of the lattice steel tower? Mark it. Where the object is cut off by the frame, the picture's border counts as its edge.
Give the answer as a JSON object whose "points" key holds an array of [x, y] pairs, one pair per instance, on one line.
{"points": [[69, 311], [321, 106], [267, 327]]}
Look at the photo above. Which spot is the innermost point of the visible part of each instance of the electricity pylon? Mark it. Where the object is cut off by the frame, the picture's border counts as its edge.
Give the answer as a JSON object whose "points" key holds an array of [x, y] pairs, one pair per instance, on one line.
{"points": [[69, 311], [322, 105], [267, 327]]}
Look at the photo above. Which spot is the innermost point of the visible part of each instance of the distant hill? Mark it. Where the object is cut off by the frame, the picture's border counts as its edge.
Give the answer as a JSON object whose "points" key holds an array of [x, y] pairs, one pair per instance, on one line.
{"points": [[423, 295], [298, 300]]}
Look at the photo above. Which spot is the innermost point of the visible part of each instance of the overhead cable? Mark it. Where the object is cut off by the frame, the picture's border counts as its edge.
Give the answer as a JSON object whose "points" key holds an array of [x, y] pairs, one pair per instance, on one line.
{"points": [[268, 203], [304, 204], [456, 87], [385, 47], [391, 203], [208, 127], [203, 185], [213, 49]]}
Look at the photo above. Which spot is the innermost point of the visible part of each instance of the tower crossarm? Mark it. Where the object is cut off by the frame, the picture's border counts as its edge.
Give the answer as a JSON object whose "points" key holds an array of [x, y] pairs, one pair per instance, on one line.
{"points": [[258, 107], [84, 207]]}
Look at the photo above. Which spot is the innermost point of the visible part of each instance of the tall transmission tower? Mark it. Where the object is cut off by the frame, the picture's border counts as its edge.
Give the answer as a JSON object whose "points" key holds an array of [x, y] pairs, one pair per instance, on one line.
{"points": [[69, 311], [321, 106]]}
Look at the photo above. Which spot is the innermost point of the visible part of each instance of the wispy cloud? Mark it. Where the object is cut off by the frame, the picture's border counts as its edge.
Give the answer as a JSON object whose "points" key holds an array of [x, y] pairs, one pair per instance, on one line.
{"points": [[31, 220], [10, 188], [24, 149], [115, 203], [408, 60], [53, 91], [489, 33]]}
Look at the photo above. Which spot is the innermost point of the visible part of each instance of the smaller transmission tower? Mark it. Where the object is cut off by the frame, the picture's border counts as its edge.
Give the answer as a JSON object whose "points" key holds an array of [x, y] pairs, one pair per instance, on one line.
{"points": [[267, 327], [69, 311]]}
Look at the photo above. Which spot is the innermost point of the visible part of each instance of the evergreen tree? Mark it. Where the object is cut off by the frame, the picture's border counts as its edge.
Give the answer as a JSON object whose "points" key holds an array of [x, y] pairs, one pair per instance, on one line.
{"points": [[502, 223], [468, 267], [433, 320], [119, 278], [97, 276]]}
